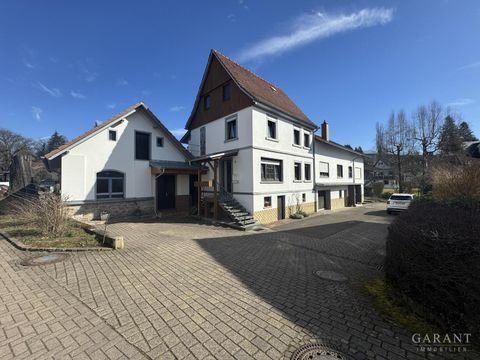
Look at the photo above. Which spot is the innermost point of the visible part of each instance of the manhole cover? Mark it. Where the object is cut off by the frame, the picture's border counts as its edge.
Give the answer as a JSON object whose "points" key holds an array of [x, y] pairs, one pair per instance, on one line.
{"points": [[330, 275], [317, 352], [44, 259]]}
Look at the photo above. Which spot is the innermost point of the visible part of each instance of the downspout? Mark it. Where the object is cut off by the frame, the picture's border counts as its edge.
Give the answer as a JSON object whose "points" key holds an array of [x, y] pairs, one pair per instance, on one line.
{"points": [[354, 187], [155, 205], [315, 206]]}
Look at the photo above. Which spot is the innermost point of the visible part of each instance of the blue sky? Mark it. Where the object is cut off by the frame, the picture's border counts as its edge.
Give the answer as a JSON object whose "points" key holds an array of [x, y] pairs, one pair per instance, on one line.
{"points": [[66, 64]]}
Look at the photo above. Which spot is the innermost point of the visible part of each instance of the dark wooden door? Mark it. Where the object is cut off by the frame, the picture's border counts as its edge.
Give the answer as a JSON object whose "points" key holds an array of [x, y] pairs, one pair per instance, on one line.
{"points": [[226, 173], [280, 207], [321, 199], [166, 192]]}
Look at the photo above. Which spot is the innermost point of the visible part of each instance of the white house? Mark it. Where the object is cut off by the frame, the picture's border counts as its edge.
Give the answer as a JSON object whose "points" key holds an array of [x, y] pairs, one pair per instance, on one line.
{"points": [[129, 164], [254, 151], [261, 146]]}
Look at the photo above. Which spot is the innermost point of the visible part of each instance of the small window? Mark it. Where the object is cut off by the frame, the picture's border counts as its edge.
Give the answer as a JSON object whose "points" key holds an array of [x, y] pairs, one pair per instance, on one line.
{"points": [[324, 169], [296, 137], [271, 170], [227, 92], [207, 102], [203, 140], [339, 171], [267, 201], [272, 129], [231, 129], [159, 141], [142, 146], [110, 185], [308, 172], [350, 172], [297, 171], [304, 197], [112, 135], [306, 140]]}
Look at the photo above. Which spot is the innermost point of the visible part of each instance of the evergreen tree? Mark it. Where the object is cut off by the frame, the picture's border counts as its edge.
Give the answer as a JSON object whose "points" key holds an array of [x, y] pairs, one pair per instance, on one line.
{"points": [[348, 146], [359, 149], [55, 141], [450, 139], [465, 132]]}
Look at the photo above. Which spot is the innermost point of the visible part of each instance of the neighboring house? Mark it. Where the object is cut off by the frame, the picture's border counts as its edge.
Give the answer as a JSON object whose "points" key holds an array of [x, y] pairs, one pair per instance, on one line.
{"points": [[129, 164], [260, 146], [339, 173]]}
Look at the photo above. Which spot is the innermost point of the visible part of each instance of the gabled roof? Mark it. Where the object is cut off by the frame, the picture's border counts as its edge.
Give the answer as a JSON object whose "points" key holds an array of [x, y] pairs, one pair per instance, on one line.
{"points": [[128, 111], [337, 145], [258, 89]]}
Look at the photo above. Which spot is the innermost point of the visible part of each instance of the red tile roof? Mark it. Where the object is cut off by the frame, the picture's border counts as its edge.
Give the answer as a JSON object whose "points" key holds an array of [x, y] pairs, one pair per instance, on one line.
{"points": [[261, 90]]}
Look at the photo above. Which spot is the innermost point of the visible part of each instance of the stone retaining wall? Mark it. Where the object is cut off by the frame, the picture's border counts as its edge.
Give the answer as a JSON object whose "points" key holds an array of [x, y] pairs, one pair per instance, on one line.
{"points": [[116, 208]]}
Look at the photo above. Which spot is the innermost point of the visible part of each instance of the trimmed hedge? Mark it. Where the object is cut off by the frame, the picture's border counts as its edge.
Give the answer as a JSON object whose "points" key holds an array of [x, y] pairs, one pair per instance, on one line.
{"points": [[433, 259]]}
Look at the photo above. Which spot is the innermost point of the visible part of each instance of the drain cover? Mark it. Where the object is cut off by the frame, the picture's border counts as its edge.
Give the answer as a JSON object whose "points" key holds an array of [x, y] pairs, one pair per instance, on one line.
{"points": [[44, 259], [330, 275], [317, 352]]}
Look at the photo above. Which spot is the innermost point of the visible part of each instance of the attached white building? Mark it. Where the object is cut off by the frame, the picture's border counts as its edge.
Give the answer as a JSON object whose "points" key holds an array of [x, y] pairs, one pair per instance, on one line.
{"points": [[260, 145], [130, 164]]}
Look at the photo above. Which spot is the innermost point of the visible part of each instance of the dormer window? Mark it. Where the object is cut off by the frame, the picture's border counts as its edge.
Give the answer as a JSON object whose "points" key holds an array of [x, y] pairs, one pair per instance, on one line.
{"points": [[227, 92], [207, 102]]}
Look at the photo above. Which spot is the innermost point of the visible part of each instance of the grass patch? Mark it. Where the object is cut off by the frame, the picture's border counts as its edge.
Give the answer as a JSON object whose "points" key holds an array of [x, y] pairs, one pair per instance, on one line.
{"points": [[395, 310], [75, 235]]}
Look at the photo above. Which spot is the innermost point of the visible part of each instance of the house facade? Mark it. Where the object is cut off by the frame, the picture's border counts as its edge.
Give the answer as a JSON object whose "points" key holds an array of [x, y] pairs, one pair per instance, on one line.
{"points": [[265, 146], [252, 156], [128, 165]]}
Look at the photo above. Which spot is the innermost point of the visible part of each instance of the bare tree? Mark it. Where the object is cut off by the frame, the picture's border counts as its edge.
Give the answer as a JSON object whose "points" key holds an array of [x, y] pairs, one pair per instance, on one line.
{"points": [[396, 139], [427, 126], [11, 144]]}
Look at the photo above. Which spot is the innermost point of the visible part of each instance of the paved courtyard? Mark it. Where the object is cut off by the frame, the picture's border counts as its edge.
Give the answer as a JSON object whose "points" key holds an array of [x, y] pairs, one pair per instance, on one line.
{"points": [[187, 291]]}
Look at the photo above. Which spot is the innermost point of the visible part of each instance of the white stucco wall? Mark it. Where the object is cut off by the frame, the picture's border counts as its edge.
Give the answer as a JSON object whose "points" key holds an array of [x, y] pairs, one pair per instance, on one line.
{"points": [[81, 164], [334, 156]]}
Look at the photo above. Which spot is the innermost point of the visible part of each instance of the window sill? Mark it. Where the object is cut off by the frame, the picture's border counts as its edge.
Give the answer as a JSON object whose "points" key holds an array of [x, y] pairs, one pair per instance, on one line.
{"points": [[230, 140], [307, 147], [307, 181], [271, 182], [297, 145], [271, 139], [297, 181], [143, 159]]}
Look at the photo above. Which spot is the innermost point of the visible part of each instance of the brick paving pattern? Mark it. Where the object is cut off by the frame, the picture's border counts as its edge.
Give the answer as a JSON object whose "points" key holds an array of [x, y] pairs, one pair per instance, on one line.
{"points": [[189, 291]]}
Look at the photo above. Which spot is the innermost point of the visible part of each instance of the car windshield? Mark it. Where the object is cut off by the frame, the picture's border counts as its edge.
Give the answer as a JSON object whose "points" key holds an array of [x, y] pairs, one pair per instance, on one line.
{"points": [[400, 197]]}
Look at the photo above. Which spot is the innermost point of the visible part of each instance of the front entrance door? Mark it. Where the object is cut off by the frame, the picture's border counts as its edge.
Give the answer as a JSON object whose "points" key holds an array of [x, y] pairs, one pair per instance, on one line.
{"points": [[166, 192], [321, 200], [226, 175], [280, 207]]}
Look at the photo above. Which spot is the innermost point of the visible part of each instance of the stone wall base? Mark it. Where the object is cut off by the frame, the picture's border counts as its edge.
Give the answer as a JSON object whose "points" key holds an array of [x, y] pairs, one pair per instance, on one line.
{"points": [[116, 208], [337, 203], [271, 215]]}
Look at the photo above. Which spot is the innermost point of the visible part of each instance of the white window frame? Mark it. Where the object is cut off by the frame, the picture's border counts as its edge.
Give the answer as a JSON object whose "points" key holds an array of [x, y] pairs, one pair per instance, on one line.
{"points": [[275, 121], [229, 120], [305, 172], [300, 169], [320, 168]]}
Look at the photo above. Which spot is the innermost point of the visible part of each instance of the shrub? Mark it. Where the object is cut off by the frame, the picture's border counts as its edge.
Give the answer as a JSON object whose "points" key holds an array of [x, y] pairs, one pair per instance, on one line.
{"points": [[378, 188], [386, 195], [433, 258], [457, 183], [47, 211]]}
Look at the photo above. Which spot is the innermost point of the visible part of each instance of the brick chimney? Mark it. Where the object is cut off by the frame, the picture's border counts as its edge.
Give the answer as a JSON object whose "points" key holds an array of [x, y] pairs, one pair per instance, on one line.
{"points": [[325, 131]]}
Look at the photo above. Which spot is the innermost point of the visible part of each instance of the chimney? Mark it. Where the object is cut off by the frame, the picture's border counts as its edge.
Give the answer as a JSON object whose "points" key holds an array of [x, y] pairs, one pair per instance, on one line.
{"points": [[325, 131]]}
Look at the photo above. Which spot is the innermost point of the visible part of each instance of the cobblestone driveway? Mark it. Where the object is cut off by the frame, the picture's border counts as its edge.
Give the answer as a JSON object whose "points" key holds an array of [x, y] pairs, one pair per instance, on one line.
{"points": [[189, 291]]}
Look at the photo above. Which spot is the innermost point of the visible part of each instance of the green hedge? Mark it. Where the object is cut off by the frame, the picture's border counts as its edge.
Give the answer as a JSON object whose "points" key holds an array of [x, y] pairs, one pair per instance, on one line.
{"points": [[433, 259]]}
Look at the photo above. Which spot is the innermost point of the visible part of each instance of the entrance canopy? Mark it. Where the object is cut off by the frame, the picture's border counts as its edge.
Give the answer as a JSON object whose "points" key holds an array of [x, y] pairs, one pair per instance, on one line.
{"points": [[216, 156], [174, 167]]}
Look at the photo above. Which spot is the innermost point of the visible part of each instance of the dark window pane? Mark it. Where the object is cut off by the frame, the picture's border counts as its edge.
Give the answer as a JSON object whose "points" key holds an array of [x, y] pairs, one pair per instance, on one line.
{"points": [[307, 172], [207, 102], [272, 129], [306, 140], [296, 137], [104, 174], [102, 186], [231, 129], [159, 141], [142, 146], [112, 135], [203, 143], [117, 185], [227, 92]]}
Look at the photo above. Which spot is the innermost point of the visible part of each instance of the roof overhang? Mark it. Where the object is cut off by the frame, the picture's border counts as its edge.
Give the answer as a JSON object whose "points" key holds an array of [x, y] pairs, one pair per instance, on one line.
{"points": [[216, 156], [174, 167], [338, 146]]}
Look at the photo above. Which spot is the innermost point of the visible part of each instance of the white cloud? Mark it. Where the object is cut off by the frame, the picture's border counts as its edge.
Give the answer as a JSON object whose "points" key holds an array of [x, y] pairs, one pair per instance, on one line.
{"points": [[122, 82], [232, 18], [50, 91], [312, 27], [28, 64], [177, 108], [111, 106], [178, 132], [461, 102], [37, 112], [472, 65], [77, 95]]}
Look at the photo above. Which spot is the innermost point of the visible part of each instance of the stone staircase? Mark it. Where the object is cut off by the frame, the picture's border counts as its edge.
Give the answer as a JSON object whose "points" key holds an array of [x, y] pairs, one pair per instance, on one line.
{"points": [[239, 216]]}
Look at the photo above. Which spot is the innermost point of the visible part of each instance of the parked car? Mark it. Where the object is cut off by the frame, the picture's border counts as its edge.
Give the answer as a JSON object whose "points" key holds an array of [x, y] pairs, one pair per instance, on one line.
{"points": [[399, 202]]}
